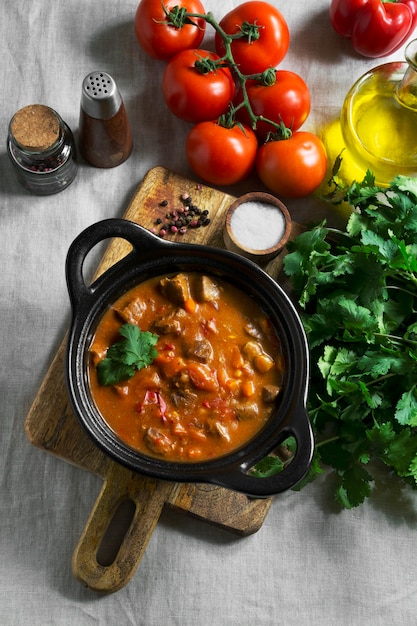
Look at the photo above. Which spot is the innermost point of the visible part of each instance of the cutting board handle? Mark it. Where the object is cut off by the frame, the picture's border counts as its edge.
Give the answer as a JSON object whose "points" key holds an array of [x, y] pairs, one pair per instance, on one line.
{"points": [[147, 498]]}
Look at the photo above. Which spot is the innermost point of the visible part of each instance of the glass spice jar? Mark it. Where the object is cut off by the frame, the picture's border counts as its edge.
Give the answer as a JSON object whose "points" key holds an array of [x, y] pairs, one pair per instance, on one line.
{"points": [[41, 150]]}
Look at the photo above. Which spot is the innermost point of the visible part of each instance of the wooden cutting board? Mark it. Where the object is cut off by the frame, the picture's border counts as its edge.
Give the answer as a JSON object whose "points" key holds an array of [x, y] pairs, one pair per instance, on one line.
{"points": [[127, 498]]}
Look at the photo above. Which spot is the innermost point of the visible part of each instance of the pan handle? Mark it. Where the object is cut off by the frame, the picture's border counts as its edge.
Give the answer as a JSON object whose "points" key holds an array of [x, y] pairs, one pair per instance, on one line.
{"points": [[147, 497], [139, 237], [240, 479]]}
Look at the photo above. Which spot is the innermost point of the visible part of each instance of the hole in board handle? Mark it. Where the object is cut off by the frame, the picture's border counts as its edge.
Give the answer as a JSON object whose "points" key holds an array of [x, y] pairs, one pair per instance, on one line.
{"points": [[115, 533]]}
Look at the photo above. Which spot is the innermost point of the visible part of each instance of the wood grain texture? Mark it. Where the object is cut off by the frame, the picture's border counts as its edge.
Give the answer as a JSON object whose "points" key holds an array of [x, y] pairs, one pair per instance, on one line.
{"points": [[52, 426], [148, 497]]}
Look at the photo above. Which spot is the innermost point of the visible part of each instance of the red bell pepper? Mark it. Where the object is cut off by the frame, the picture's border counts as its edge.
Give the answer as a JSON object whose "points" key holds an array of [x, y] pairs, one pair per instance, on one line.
{"points": [[376, 27]]}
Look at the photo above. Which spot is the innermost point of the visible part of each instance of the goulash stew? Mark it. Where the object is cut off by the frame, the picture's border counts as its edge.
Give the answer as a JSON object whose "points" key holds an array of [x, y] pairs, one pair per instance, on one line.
{"points": [[185, 367]]}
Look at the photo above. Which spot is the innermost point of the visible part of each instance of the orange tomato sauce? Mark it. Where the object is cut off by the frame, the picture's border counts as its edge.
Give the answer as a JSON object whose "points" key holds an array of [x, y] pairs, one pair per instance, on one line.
{"points": [[215, 381]]}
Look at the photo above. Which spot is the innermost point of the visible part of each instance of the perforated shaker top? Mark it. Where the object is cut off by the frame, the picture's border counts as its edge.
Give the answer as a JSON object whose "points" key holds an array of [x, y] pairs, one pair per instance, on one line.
{"points": [[100, 97]]}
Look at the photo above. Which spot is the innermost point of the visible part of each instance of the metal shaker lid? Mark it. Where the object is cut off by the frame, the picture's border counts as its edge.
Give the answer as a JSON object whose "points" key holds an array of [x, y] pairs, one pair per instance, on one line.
{"points": [[100, 97]]}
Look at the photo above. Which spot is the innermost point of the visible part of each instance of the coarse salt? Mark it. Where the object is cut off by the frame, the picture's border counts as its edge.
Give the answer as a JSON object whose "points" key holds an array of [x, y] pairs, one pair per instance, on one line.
{"points": [[258, 225]]}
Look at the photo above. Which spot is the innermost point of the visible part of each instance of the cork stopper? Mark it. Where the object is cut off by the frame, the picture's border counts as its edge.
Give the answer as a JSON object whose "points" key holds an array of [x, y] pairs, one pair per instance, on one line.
{"points": [[35, 127]]}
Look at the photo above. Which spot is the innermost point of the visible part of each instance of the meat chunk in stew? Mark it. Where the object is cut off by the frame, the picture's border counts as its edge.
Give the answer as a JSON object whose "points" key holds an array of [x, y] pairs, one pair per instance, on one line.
{"points": [[183, 398], [98, 352], [207, 290], [252, 329], [176, 289], [157, 441], [200, 350], [132, 312], [270, 393], [222, 431], [170, 323], [246, 410]]}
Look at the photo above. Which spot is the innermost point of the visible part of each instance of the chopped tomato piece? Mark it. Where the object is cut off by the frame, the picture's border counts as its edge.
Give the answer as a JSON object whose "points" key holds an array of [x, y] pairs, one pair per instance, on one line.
{"points": [[202, 376]]}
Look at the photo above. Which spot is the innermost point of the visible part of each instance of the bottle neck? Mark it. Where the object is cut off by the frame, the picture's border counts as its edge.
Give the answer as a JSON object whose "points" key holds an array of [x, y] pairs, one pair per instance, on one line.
{"points": [[407, 88]]}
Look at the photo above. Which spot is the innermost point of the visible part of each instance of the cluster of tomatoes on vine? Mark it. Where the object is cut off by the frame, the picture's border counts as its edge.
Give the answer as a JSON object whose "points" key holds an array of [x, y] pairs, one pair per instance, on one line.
{"points": [[246, 113]]}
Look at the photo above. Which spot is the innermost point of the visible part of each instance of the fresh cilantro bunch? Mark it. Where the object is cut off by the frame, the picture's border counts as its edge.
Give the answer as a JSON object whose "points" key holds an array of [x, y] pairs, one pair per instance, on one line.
{"points": [[357, 290], [134, 351]]}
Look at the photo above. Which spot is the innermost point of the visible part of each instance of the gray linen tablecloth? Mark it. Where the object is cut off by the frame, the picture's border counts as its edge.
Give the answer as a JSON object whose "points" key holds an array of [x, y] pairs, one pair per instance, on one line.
{"points": [[310, 563]]}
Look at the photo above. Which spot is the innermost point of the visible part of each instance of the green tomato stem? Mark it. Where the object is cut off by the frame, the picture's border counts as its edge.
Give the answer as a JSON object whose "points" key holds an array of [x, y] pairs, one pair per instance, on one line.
{"points": [[267, 78]]}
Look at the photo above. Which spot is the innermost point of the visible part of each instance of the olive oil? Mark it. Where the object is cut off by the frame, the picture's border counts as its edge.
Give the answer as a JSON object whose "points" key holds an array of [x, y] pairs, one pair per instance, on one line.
{"points": [[379, 120]]}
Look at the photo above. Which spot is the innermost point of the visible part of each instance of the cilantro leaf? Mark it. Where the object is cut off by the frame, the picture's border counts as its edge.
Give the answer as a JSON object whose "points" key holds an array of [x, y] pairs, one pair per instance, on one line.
{"points": [[404, 183], [269, 466], [139, 346], [112, 371], [378, 363], [133, 352], [353, 487], [406, 409], [401, 452], [314, 472], [358, 292], [276, 462], [380, 436]]}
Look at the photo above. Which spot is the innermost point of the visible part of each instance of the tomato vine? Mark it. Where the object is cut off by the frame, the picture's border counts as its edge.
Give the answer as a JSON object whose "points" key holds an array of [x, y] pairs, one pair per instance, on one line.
{"points": [[236, 88], [179, 17]]}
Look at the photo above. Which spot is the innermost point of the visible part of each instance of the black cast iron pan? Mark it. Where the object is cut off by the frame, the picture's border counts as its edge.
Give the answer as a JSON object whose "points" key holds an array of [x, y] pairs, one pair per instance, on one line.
{"points": [[152, 256]]}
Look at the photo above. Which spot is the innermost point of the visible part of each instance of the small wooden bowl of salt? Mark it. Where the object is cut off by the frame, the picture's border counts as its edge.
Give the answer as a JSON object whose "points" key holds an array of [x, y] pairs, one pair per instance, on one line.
{"points": [[257, 226]]}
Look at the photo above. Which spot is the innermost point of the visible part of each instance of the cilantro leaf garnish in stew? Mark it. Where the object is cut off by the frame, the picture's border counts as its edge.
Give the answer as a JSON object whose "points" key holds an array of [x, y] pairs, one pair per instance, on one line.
{"points": [[185, 367], [134, 351]]}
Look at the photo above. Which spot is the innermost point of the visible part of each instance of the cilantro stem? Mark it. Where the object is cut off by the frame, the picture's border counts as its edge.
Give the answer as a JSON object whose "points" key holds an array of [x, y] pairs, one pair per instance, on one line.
{"points": [[407, 291], [322, 443], [411, 277], [397, 340]]}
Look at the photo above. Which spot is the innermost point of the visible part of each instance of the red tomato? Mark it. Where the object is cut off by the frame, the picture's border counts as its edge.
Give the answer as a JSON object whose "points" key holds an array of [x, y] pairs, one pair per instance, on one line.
{"points": [[219, 155], [193, 96], [287, 100], [157, 37], [294, 167], [253, 57]]}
